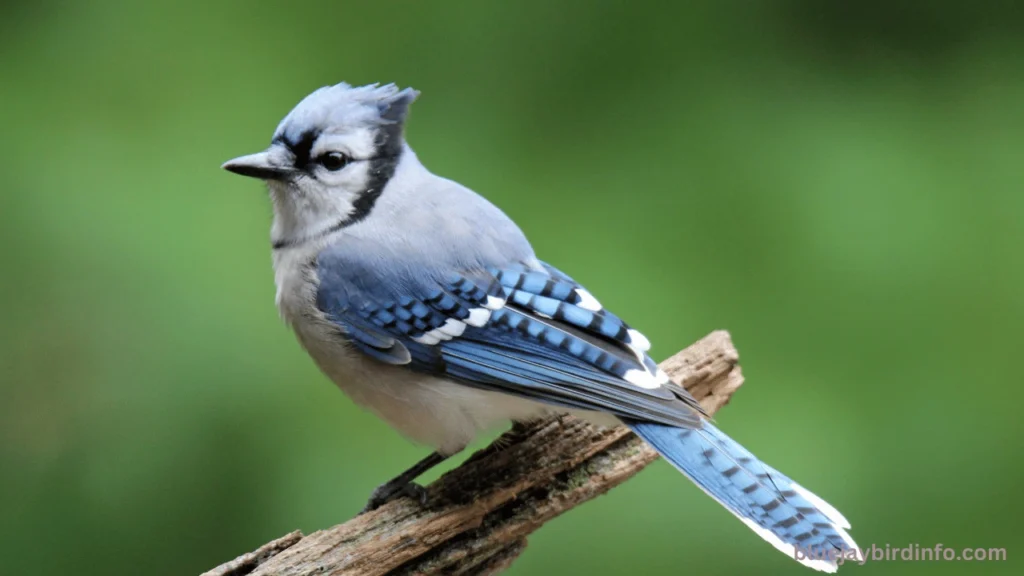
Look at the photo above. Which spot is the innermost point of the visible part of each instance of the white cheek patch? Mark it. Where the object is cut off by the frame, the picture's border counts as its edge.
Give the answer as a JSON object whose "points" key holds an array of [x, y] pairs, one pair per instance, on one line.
{"points": [[308, 206], [345, 186], [353, 177]]}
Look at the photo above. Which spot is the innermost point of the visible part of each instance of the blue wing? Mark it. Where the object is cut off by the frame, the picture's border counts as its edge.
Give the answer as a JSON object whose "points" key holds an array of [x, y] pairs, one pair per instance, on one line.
{"points": [[524, 330], [534, 332]]}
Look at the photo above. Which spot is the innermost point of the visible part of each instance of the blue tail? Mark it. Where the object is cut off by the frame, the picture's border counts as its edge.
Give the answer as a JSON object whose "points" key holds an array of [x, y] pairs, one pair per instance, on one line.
{"points": [[788, 516]]}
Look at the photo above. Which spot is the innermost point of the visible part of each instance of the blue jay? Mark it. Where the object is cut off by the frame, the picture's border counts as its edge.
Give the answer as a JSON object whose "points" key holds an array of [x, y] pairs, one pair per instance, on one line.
{"points": [[425, 304]]}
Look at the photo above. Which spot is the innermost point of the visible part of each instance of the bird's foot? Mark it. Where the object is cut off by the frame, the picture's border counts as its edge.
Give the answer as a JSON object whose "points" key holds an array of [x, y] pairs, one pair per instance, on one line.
{"points": [[389, 491]]}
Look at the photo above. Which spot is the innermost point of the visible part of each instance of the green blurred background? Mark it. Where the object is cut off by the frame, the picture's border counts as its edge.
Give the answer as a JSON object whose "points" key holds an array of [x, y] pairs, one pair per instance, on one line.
{"points": [[838, 184]]}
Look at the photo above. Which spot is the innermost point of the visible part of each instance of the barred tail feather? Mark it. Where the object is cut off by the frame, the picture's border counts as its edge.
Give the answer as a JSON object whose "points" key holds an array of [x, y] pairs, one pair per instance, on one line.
{"points": [[778, 509]]}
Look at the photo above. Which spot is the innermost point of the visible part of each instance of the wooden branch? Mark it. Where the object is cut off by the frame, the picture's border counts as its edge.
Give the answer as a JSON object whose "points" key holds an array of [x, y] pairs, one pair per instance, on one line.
{"points": [[478, 515]]}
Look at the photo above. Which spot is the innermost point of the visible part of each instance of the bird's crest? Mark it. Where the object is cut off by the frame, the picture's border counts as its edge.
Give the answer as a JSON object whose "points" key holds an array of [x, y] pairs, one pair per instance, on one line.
{"points": [[342, 107]]}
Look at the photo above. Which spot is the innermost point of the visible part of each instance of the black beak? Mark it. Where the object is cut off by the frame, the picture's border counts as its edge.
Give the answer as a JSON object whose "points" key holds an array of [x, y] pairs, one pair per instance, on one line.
{"points": [[256, 165]]}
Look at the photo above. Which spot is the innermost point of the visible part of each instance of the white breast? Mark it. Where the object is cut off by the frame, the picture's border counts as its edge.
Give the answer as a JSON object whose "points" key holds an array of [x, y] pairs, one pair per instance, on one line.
{"points": [[433, 411]]}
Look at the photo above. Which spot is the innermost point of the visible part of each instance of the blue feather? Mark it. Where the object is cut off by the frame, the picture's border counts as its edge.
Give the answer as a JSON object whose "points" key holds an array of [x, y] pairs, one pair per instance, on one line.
{"points": [[535, 341], [780, 510]]}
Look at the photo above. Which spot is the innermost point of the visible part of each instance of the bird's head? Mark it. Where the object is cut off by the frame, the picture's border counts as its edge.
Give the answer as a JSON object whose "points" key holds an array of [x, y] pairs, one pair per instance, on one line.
{"points": [[330, 157]]}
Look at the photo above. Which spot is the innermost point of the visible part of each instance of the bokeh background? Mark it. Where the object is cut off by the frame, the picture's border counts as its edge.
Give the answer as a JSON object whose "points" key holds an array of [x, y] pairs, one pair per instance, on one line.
{"points": [[838, 184]]}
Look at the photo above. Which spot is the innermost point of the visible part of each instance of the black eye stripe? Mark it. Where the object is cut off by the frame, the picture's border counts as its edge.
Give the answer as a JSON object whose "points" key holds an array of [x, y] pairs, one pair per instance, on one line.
{"points": [[300, 145]]}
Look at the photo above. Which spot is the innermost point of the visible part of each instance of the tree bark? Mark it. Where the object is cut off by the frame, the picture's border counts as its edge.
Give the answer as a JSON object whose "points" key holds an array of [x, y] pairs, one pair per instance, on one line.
{"points": [[477, 516]]}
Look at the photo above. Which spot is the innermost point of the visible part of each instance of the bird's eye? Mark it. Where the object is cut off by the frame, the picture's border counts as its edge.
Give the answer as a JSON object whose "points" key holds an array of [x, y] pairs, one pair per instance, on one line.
{"points": [[333, 161]]}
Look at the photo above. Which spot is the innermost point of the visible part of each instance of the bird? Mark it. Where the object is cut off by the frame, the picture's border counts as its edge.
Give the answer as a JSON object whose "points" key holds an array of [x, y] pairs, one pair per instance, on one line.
{"points": [[425, 304]]}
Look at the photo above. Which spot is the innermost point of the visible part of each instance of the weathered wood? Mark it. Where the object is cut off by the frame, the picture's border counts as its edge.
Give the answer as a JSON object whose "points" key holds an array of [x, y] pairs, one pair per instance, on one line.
{"points": [[478, 515]]}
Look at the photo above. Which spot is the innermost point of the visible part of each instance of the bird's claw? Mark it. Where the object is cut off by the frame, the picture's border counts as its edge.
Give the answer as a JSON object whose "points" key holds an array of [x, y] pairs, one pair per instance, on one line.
{"points": [[390, 491]]}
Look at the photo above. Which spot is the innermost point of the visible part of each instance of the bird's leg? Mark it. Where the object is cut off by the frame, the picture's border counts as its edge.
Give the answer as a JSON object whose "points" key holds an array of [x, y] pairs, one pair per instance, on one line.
{"points": [[403, 485]]}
